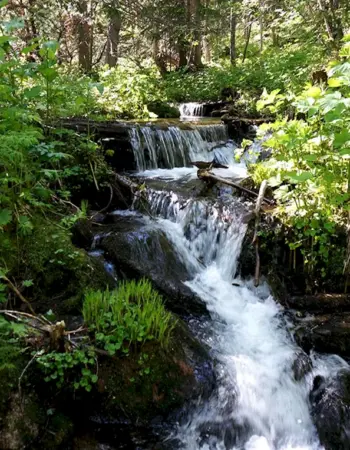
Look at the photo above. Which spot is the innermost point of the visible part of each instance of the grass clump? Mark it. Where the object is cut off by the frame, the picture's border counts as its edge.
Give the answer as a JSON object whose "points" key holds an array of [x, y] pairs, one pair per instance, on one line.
{"points": [[132, 314]]}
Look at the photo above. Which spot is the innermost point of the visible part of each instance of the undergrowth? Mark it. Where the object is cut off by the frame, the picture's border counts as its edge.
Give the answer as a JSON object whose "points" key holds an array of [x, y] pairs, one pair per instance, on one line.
{"points": [[130, 315]]}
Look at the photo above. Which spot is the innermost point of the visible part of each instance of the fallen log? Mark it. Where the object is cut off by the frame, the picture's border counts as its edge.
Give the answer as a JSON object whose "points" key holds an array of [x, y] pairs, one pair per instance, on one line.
{"points": [[206, 175], [207, 165]]}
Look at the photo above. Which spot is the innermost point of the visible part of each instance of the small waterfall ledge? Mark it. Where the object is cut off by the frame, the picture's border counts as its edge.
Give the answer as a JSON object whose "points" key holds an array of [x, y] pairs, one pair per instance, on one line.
{"points": [[154, 147]]}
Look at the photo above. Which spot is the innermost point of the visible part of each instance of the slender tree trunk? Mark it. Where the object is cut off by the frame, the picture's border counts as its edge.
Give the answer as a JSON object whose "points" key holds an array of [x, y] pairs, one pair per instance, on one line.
{"points": [[113, 37], [261, 25], [197, 51], [84, 37], [233, 26], [205, 40], [247, 42]]}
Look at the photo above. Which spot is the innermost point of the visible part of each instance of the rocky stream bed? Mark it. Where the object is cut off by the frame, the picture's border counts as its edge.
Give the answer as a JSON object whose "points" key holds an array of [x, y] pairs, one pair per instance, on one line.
{"points": [[251, 368]]}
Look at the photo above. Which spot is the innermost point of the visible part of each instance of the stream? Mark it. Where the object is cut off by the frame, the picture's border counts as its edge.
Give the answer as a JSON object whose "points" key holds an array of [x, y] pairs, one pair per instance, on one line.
{"points": [[259, 402]]}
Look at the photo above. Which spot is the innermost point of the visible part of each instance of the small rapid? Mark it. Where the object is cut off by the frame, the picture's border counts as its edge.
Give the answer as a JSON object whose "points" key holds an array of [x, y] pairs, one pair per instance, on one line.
{"points": [[258, 404]]}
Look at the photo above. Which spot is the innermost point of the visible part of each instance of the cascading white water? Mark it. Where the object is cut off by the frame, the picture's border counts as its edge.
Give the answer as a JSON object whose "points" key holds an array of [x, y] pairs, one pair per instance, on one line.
{"points": [[154, 147], [192, 109], [258, 404]]}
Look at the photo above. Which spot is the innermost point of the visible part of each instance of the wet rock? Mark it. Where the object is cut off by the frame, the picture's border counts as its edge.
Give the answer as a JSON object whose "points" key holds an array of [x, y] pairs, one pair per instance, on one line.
{"points": [[326, 333], [175, 376], [330, 406], [301, 366], [322, 303], [146, 252], [164, 110]]}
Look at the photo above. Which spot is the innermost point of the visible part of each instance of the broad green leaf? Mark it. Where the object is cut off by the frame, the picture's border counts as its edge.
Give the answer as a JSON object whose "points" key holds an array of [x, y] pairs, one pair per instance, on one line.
{"points": [[341, 138], [5, 217], [314, 92], [32, 92], [299, 178], [3, 3], [334, 82], [4, 39]]}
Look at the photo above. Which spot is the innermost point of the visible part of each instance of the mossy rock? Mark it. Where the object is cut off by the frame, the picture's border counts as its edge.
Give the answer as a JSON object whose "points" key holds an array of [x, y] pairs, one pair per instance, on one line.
{"points": [[60, 272], [164, 110], [143, 387]]}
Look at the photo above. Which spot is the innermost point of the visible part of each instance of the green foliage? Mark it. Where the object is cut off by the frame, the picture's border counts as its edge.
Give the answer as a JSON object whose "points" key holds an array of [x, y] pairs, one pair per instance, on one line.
{"points": [[132, 314], [11, 359], [76, 368], [310, 167], [283, 69]]}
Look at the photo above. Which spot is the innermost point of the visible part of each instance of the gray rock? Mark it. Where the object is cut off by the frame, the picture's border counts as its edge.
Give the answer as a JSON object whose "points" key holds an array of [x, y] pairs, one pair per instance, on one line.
{"points": [[330, 406]]}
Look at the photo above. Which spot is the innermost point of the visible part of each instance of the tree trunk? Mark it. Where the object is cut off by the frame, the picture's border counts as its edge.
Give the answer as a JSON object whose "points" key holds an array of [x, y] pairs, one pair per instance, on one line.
{"points": [[158, 58], [247, 42], [196, 54], [84, 37], [261, 25], [113, 38], [205, 40], [233, 26]]}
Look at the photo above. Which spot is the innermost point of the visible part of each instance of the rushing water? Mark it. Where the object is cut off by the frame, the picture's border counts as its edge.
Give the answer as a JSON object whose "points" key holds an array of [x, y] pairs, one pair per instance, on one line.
{"points": [[191, 109], [155, 147], [259, 404]]}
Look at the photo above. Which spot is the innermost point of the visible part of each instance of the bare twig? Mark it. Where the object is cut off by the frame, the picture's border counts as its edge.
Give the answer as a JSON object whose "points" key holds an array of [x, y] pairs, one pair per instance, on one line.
{"points": [[108, 205], [24, 371], [17, 292]]}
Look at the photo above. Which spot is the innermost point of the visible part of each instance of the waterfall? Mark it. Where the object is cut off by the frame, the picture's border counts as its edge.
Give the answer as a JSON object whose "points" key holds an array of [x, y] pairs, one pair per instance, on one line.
{"points": [[192, 109], [171, 147], [258, 404]]}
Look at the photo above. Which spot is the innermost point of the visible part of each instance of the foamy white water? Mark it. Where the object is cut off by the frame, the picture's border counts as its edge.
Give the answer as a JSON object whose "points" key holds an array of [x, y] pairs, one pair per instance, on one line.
{"points": [[258, 403]]}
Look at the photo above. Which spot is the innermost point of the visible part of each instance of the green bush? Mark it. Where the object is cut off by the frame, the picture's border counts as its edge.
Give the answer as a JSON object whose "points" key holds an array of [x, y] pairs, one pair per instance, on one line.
{"points": [[132, 314]]}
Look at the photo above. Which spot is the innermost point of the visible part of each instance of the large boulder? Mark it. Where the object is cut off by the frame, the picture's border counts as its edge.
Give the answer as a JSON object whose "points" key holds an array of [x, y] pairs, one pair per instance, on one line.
{"points": [[147, 252], [330, 406]]}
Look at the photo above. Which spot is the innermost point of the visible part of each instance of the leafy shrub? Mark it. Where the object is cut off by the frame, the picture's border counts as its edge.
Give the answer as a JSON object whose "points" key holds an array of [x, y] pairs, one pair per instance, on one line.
{"points": [[310, 170], [132, 314], [74, 368]]}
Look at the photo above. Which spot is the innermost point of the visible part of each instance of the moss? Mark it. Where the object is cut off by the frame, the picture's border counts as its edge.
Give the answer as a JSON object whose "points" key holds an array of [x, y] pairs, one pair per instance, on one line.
{"points": [[60, 271], [164, 110], [143, 387]]}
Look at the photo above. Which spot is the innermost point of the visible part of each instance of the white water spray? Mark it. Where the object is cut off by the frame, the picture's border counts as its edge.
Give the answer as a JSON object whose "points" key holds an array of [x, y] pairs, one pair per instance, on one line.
{"points": [[258, 405]]}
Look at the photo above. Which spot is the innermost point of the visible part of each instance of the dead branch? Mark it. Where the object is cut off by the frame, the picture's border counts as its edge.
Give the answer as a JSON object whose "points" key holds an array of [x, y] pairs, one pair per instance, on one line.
{"points": [[25, 370], [255, 242], [19, 295], [107, 206], [204, 174]]}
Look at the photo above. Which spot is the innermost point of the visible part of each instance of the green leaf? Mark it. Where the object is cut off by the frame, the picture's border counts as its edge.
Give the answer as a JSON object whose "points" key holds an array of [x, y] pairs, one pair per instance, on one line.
{"points": [[25, 226], [334, 82], [27, 283], [3, 3], [32, 92], [94, 378], [51, 45], [14, 24], [299, 178], [5, 217], [5, 39]]}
